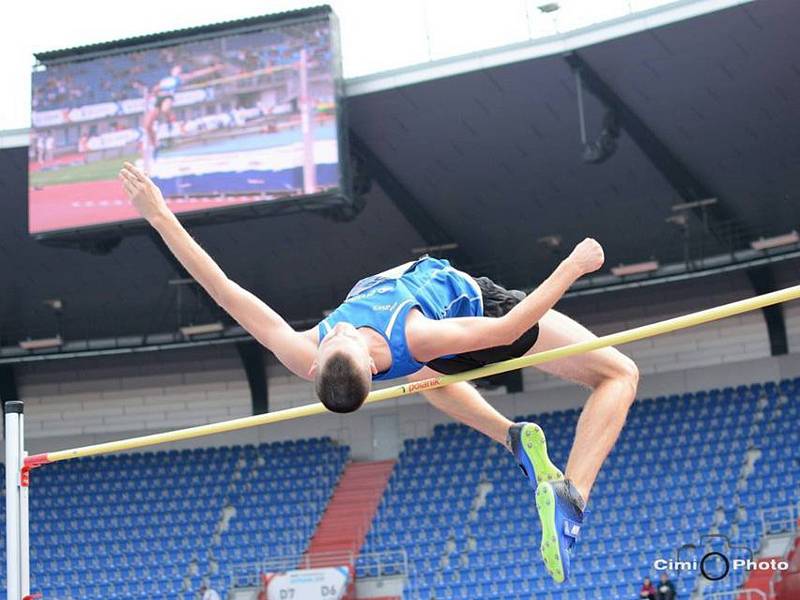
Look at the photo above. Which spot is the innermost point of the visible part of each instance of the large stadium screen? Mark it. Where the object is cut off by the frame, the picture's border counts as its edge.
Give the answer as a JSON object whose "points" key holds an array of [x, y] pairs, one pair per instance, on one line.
{"points": [[238, 117]]}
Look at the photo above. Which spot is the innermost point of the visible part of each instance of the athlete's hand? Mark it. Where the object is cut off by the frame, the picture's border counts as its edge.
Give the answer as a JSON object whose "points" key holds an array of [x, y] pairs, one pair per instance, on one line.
{"points": [[587, 256], [143, 193]]}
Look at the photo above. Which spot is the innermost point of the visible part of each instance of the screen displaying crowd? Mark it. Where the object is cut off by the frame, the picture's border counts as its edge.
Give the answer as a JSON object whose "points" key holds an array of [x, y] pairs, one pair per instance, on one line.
{"points": [[241, 118]]}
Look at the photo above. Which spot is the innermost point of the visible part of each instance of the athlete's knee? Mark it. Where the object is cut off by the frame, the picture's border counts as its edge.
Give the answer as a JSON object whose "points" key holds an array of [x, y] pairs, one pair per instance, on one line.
{"points": [[618, 370], [626, 371]]}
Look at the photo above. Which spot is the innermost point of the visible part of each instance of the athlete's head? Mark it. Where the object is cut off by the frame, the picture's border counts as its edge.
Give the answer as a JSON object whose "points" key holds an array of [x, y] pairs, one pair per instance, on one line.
{"points": [[164, 103], [343, 369]]}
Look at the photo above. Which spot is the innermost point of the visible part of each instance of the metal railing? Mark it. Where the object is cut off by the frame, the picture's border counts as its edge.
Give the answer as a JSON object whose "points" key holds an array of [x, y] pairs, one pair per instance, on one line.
{"points": [[746, 594], [249, 574], [392, 563], [780, 519], [384, 564]]}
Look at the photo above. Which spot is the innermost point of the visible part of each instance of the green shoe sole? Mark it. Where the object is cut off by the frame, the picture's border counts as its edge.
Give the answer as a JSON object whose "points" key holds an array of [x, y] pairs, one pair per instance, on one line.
{"points": [[551, 554], [534, 445]]}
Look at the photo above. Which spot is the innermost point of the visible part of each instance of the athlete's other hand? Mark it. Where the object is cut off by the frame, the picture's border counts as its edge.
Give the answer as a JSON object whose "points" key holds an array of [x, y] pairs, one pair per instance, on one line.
{"points": [[143, 193], [587, 256]]}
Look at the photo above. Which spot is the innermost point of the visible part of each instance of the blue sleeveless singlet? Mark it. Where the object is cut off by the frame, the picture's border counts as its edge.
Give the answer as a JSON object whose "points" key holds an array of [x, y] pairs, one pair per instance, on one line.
{"points": [[382, 302]]}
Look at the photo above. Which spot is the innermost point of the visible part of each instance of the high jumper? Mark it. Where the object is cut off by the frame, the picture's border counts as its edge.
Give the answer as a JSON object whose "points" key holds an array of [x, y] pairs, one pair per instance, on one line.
{"points": [[425, 317]]}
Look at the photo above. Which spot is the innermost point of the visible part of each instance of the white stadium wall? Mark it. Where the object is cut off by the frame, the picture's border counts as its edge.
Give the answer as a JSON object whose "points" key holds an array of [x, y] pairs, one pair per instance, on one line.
{"points": [[85, 401]]}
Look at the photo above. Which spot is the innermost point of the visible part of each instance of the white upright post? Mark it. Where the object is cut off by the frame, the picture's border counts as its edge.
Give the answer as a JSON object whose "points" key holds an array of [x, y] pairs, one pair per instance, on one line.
{"points": [[13, 513], [307, 127], [24, 523]]}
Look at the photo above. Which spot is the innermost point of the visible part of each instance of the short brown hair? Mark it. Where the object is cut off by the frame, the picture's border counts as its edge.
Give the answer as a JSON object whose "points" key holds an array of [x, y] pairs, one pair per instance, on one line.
{"points": [[340, 385]]}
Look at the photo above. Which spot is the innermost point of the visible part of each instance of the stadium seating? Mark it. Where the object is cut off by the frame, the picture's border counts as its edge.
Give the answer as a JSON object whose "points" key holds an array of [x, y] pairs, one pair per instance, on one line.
{"points": [[150, 525], [280, 501], [129, 526], [466, 517]]}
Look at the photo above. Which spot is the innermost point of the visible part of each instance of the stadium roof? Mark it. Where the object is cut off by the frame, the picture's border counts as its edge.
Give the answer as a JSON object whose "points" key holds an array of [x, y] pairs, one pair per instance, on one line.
{"points": [[396, 40], [567, 38], [179, 34], [492, 157]]}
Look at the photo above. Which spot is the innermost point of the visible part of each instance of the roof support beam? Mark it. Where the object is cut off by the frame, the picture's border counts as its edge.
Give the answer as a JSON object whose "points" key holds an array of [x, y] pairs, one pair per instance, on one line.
{"points": [[763, 282], [8, 389], [8, 384], [685, 183], [252, 355], [409, 206], [512, 381]]}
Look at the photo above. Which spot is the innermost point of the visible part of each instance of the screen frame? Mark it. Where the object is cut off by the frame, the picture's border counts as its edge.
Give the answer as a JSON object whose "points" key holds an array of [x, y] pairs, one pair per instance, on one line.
{"points": [[337, 200]]}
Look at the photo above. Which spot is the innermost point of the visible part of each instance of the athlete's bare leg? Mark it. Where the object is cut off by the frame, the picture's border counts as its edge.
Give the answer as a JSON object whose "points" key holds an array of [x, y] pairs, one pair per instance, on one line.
{"points": [[465, 404], [613, 378]]}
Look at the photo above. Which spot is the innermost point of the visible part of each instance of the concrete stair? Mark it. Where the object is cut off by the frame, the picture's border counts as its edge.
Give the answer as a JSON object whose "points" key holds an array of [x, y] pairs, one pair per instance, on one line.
{"points": [[343, 527], [758, 580]]}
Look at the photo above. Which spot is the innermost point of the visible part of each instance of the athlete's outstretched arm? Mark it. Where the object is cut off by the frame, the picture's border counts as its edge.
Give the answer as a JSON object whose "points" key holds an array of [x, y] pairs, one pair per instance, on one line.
{"points": [[295, 350], [465, 334]]}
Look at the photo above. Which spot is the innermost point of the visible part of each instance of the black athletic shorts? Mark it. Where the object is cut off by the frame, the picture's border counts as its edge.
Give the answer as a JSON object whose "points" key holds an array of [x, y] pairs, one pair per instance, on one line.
{"points": [[497, 301]]}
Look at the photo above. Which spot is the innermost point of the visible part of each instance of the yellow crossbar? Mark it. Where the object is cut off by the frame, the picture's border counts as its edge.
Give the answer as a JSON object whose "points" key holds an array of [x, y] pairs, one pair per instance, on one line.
{"points": [[298, 412]]}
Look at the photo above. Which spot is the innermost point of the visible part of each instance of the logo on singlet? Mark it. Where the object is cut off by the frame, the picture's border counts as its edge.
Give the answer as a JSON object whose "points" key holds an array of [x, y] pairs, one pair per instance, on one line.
{"points": [[369, 293], [384, 307]]}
